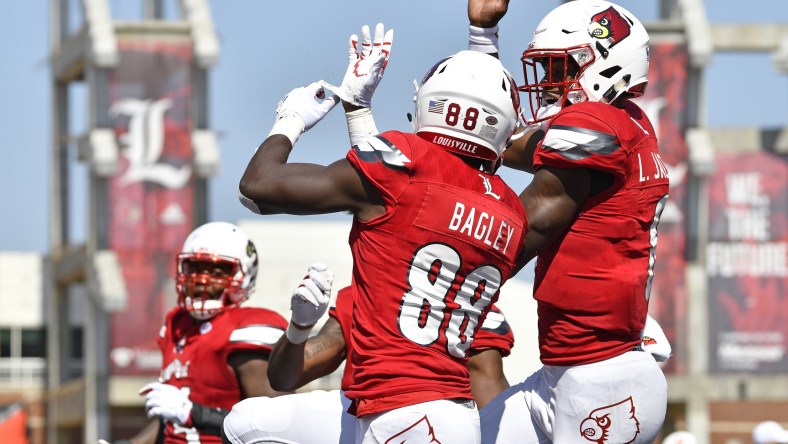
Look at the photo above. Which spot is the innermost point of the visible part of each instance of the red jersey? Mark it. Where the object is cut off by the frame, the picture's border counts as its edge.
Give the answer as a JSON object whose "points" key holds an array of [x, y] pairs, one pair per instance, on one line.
{"points": [[426, 271], [342, 311], [495, 332], [592, 287], [195, 357]]}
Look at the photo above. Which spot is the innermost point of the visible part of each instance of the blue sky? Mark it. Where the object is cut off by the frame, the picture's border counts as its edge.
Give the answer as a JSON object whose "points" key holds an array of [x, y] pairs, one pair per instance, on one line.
{"points": [[268, 48]]}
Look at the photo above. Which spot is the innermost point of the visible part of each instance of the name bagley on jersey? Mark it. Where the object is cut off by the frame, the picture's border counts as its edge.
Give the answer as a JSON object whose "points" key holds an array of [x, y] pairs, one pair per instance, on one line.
{"points": [[479, 225]]}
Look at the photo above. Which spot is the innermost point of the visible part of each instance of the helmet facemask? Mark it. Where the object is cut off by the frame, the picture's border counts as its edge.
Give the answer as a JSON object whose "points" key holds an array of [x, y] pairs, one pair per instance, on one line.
{"points": [[208, 284], [216, 270], [552, 79]]}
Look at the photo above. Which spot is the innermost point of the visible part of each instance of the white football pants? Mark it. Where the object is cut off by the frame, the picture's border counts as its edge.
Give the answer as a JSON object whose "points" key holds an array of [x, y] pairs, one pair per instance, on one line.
{"points": [[316, 417], [620, 400], [442, 421]]}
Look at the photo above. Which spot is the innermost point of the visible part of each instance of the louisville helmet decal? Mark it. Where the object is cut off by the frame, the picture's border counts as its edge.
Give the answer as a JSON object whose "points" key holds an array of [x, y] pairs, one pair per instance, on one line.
{"points": [[611, 25], [647, 340]]}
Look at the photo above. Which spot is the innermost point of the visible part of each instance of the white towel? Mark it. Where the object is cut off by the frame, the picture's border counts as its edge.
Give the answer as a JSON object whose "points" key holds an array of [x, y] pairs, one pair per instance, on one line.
{"points": [[654, 341]]}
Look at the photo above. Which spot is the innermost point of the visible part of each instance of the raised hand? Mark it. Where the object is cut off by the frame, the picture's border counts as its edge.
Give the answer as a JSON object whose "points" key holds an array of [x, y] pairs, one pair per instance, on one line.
{"points": [[310, 299], [365, 66], [307, 103], [486, 13]]}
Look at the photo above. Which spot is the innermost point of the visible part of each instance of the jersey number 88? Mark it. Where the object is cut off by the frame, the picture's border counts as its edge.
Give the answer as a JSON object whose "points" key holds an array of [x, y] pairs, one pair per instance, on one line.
{"points": [[432, 272]]}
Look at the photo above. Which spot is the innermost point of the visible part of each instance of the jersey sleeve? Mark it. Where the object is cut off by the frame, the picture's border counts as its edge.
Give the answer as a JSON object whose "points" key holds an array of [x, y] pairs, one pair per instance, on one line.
{"points": [[386, 161], [342, 304], [495, 333], [342, 312], [581, 137], [255, 330]]}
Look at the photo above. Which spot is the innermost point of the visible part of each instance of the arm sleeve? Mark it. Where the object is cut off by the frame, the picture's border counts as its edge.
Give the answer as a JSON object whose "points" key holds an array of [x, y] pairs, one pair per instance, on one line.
{"points": [[208, 419]]}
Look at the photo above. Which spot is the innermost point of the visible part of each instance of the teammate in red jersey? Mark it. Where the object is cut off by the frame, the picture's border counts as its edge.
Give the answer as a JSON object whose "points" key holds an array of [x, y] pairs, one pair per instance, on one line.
{"points": [[321, 417], [593, 207], [435, 234], [215, 353]]}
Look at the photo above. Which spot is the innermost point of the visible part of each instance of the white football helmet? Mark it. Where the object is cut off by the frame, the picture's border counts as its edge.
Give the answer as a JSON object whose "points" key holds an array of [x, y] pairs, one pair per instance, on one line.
{"points": [[608, 46], [228, 251], [469, 104]]}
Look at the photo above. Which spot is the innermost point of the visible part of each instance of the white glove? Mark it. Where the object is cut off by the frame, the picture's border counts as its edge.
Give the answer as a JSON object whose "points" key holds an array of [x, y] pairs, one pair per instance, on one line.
{"points": [[301, 109], [654, 341], [310, 299], [365, 67], [167, 402]]}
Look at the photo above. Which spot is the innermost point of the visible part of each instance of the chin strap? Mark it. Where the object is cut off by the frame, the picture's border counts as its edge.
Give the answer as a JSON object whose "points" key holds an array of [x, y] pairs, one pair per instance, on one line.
{"points": [[492, 166]]}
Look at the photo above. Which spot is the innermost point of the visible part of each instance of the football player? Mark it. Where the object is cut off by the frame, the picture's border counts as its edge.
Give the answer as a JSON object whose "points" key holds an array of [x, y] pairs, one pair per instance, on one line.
{"points": [[321, 417], [435, 234], [215, 352], [593, 206]]}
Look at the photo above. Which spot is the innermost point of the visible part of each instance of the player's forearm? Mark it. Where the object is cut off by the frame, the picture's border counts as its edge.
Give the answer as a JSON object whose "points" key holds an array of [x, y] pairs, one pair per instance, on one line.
{"points": [[520, 154], [286, 365], [485, 389], [291, 366], [487, 377], [552, 201], [543, 230]]}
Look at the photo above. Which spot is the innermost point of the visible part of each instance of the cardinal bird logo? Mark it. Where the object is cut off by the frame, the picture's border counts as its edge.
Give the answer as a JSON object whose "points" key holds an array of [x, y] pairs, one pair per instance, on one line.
{"points": [[421, 432], [609, 24], [647, 340], [611, 424]]}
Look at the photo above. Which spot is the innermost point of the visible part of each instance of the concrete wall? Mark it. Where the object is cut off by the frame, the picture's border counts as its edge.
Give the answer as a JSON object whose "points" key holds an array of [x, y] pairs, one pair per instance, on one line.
{"points": [[21, 302]]}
